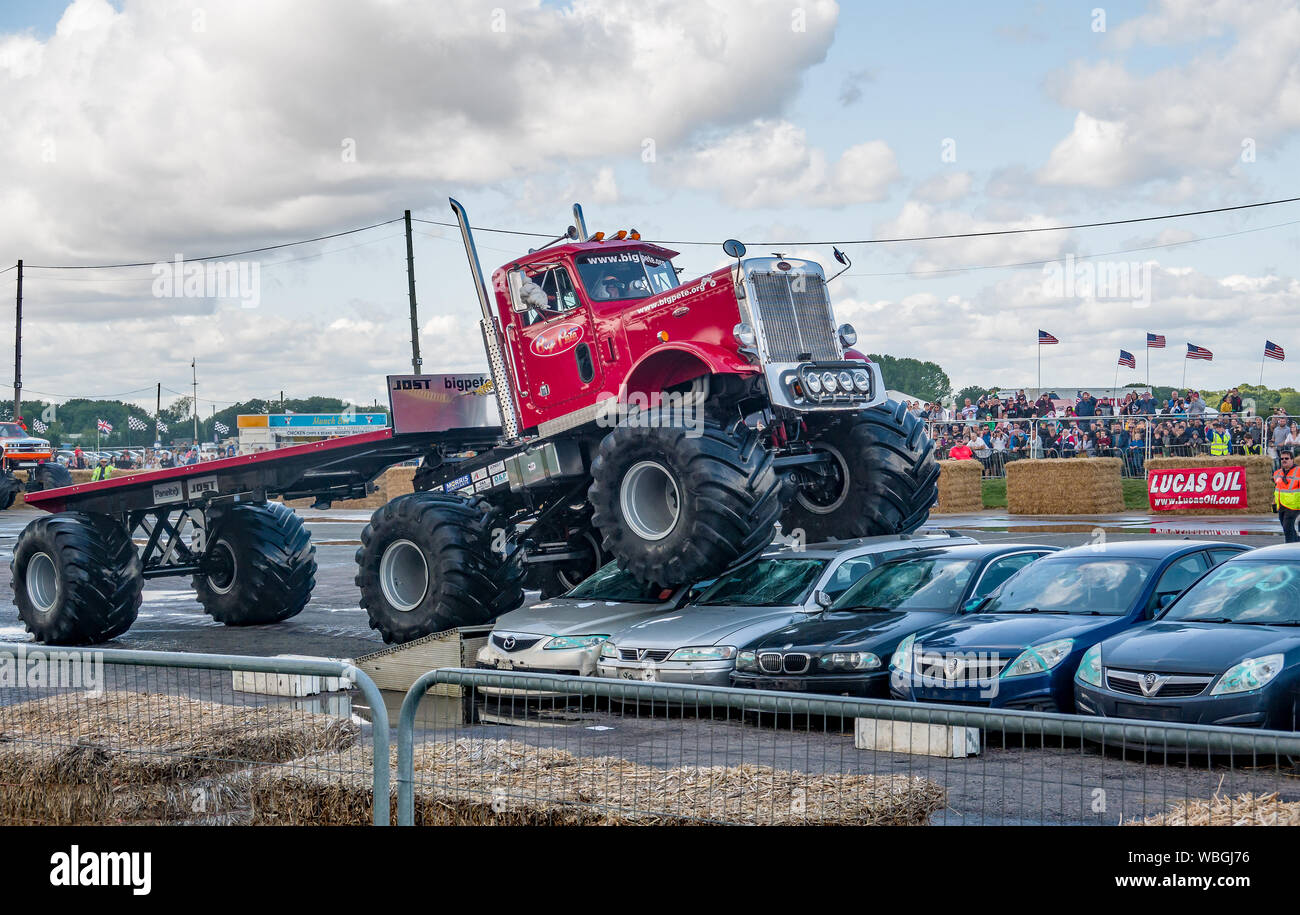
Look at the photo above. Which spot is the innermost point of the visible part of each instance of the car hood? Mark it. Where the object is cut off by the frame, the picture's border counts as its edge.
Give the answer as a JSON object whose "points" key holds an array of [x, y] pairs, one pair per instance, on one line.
{"points": [[850, 630], [560, 616], [24, 443], [695, 625], [1194, 648], [1010, 631]]}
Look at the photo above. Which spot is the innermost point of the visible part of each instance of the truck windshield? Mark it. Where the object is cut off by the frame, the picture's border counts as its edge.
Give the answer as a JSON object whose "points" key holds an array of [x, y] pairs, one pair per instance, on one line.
{"points": [[11, 430], [625, 275]]}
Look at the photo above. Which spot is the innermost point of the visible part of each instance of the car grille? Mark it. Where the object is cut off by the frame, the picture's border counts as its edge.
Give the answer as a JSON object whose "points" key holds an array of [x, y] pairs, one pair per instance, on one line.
{"points": [[795, 321], [1177, 686], [644, 654], [980, 667], [795, 662], [507, 642]]}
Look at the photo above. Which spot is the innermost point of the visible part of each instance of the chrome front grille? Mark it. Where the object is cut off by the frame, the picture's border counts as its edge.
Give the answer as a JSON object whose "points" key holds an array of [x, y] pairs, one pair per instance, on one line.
{"points": [[1156, 686], [773, 662], [794, 317], [769, 662], [644, 654]]}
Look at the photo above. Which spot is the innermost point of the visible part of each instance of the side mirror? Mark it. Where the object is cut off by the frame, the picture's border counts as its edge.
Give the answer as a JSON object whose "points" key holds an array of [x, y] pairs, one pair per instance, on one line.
{"points": [[1166, 600], [823, 600], [848, 335], [973, 604], [734, 248]]}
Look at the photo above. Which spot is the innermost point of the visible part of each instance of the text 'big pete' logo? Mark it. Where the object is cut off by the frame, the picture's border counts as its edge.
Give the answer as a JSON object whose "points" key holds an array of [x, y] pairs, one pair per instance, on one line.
{"points": [[557, 339]]}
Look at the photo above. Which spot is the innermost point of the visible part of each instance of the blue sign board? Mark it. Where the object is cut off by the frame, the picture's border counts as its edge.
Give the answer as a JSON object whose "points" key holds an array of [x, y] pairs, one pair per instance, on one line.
{"points": [[316, 420]]}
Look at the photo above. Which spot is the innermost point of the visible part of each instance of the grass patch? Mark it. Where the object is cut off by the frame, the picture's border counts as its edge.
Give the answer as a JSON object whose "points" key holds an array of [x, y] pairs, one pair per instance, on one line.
{"points": [[1135, 494], [995, 493]]}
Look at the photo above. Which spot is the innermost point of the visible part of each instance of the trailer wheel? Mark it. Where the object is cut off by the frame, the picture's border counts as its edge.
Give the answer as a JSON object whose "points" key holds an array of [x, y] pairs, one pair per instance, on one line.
{"points": [[882, 479], [77, 579], [675, 507], [427, 564], [50, 475], [261, 566], [10, 486]]}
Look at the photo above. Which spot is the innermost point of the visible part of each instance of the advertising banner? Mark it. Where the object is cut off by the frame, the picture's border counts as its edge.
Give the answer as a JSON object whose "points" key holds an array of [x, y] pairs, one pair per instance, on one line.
{"points": [[1197, 487]]}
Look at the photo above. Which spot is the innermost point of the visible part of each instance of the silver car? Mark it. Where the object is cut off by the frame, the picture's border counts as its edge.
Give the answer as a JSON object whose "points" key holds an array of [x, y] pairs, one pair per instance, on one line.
{"points": [[697, 643], [563, 635]]}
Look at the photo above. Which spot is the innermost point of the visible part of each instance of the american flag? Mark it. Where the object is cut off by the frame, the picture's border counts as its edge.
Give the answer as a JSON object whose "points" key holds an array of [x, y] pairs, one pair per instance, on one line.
{"points": [[1126, 358], [1199, 352], [139, 425], [1044, 338], [42, 428], [1273, 351], [104, 426], [1155, 341], [220, 426]]}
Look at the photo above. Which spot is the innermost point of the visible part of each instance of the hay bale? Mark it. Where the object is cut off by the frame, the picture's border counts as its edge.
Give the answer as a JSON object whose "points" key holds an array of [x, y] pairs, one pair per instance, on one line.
{"points": [[1259, 480], [1243, 810], [509, 783], [960, 487], [127, 756], [1065, 486], [393, 482]]}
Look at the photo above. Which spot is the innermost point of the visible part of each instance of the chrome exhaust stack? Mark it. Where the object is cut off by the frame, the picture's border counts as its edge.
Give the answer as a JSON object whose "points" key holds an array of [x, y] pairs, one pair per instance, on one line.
{"points": [[580, 223], [493, 344]]}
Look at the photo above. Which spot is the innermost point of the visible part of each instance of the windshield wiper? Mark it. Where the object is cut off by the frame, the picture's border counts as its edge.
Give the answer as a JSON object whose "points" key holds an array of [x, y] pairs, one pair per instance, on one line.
{"points": [[1031, 610]]}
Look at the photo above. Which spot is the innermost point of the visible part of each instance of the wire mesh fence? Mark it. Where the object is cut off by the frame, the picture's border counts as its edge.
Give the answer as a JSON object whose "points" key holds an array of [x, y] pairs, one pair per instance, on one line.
{"points": [[110, 737], [548, 749]]}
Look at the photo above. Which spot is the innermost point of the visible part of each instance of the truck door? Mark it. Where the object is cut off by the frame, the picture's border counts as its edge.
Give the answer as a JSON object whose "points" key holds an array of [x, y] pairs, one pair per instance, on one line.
{"points": [[554, 349]]}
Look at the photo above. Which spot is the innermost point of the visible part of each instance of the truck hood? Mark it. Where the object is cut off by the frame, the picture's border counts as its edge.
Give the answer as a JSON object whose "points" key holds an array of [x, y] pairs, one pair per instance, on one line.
{"points": [[576, 617], [849, 631], [997, 632], [1194, 648], [25, 444], [705, 626]]}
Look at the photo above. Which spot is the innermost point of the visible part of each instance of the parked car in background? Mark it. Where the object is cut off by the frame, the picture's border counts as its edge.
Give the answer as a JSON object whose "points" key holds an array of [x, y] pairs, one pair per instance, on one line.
{"points": [[697, 644], [845, 650], [1227, 652], [563, 635], [1021, 646]]}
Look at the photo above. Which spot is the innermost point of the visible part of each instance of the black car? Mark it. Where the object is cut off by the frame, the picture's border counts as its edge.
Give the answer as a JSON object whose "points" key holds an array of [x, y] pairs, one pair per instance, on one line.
{"points": [[845, 650], [1226, 652]]}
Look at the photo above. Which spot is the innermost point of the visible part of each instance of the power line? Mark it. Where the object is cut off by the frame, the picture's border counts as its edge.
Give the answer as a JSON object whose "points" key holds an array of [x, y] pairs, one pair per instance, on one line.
{"points": [[213, 257]]}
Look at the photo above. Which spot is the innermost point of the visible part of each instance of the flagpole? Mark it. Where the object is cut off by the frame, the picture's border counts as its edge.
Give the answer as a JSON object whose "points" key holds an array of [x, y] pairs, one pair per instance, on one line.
{"points": [[1185, 360], [1040, 368], [1261, 367]]}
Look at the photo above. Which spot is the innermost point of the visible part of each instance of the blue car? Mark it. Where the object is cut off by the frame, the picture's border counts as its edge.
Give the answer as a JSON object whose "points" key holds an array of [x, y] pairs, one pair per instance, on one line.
{"points": [[1226, 652], [1021, 646]]}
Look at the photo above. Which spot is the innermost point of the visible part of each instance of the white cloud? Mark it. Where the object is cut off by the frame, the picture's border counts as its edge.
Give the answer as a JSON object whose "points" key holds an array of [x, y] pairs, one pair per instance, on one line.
{"points": [[944, 187], [922, 219]]}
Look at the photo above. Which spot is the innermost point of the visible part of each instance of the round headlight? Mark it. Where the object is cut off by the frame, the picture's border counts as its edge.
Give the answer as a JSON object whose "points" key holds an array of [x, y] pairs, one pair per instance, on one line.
{"points": [[814, 383], [846, 381], [848, 336], [861, 380], [829, 382], [744, 335]]}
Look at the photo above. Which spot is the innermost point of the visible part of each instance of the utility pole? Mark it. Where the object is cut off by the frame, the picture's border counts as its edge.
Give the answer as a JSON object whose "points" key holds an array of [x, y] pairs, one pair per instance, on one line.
{"points": [[157, 418], [410, 285], [194, 375], [18, 348], [282, 401]]}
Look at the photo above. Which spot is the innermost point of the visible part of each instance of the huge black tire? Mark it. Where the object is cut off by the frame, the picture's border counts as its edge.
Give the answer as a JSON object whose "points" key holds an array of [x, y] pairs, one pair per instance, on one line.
{"points": [[675, 507], [10, 486], [49, 475], [261, 566], [77, 579], [884, 478], [427, 564]]}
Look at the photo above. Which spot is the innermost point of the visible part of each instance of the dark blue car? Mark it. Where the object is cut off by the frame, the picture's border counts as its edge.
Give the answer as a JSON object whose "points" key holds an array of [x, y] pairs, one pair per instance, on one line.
{"points": [[1020, 648], [846, 649], [1226, 652]]}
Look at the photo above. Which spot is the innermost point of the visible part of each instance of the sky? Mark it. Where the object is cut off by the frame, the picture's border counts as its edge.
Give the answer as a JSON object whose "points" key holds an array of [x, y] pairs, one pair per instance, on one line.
{"points": [[137, 131]]}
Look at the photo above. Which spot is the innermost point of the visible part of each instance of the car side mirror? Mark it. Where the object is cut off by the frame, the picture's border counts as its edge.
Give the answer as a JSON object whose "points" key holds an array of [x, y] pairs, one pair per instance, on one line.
{"points": [[973, 604], [823, 600], [1166, 600]]}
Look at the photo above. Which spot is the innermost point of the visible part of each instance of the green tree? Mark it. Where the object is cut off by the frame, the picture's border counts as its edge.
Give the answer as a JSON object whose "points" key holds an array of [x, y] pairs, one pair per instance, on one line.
{"points": [[974, 392], [925, 380]]}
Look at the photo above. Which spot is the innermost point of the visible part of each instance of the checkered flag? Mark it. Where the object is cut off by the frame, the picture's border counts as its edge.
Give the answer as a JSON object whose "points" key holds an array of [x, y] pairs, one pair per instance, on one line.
{"points": [[161, 426], [220, 427], [136, 424], [40, 427]]}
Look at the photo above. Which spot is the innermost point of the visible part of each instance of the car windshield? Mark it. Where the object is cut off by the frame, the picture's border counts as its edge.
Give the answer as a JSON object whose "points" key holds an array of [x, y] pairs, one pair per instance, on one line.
{"points": [[1243, 592], [11, 430], [625, 275], [916, 584], [1104, 585], [609, 582], [766, 583]]}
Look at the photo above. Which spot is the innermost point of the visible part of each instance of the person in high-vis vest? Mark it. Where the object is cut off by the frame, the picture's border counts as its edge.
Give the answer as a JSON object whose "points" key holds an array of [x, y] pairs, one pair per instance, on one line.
{"points": [[1220, 440], [1286, 496], [102, 471]]}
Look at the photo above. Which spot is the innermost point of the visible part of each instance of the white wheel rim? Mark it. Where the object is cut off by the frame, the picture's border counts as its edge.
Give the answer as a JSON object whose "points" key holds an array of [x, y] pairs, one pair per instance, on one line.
{"points": [[42, 582], [215, 582], [814, 507], [650, 500], [404, 575]]}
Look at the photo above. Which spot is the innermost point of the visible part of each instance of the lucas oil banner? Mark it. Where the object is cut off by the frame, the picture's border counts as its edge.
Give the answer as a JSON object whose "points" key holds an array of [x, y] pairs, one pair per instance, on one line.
{"points": [[1197, 487]]}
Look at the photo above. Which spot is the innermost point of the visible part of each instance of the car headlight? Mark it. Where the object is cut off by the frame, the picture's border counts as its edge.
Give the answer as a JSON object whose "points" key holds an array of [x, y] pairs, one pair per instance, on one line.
{"points": [[1039, 658], [1250, 674], [850, 660], [608, 650], [704, 653], [744, 335], [829, 382], [561, 642], [1090, 666], [902, 656], [747, 660], [861, 380], [814, 383]]}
